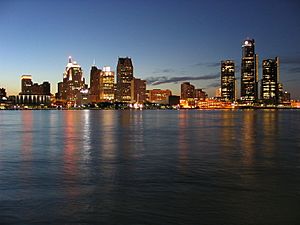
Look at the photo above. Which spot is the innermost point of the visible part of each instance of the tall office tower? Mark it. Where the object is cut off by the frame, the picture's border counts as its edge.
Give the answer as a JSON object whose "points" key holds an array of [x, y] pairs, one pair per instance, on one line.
{"points": [[249, 72], [26, 84], [73, 81], [228, 80], [138, 90], [124, 78], [187, 90], [95, 84], [269, 82], [106, 85]]}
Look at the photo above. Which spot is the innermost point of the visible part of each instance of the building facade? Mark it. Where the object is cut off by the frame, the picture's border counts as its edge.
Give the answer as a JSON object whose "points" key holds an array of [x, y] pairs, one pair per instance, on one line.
{"points": [[200, 95], [124, 78], [95, 84], [158, 95], [73, 82], [138, 90], [249, 72], [33, 94], [269, 82], [228, 80], [3, 97], [187, 91], [106, 85]]}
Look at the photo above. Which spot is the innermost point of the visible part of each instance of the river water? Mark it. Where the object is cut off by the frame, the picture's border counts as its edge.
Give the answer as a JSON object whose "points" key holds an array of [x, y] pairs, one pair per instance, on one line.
{"points": [[150, 167]]}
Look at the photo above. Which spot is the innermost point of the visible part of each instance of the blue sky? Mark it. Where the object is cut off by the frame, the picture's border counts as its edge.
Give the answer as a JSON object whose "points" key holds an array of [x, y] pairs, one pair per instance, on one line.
{"points": [[165, 39]]}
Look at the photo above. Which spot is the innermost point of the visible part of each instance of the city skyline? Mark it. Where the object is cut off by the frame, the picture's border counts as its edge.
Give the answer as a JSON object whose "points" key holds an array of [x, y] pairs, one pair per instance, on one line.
{"points": [[39, 37]]}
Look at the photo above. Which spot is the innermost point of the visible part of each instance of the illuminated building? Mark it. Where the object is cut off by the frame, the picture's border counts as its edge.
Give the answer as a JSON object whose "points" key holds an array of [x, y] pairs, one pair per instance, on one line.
{"points": [[187, 91], [158, 95], [124, 78], [218, 93], [286, 97], [138, 90], [82, 97], [30, 88], [200, 95], [106, 85], [227, 80], [26, 83], [269, 82], [33, 94], [95, 84], [249, 72], [73, 82]]}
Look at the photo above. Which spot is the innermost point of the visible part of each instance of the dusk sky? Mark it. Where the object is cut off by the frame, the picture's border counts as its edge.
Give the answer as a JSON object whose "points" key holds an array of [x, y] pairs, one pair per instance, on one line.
{"points": [[168, 40]]}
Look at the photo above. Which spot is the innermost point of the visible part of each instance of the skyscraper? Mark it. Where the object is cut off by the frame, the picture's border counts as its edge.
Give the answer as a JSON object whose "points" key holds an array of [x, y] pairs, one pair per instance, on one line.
{"points": [[73, 82], [30, 88], [33, 94], [26, 84], [187, 90], [228, 80], [95, 84], [138, 90], [269, 82], [106, 85], [249, 72], [124, 78]]}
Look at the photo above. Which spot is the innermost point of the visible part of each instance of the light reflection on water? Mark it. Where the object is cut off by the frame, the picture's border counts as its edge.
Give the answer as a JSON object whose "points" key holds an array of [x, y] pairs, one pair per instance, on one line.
{"points": [[150, 167]]}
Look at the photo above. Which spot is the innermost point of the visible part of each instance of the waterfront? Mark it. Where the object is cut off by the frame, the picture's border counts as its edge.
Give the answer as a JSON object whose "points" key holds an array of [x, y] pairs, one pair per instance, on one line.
{"points": [[150, 167]]}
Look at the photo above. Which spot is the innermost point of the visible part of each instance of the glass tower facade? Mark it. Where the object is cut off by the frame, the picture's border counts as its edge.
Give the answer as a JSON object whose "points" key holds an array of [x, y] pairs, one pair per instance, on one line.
{"points": [[73, 82], [228, 80], [249, 72], [269, 82], [124, 78]]}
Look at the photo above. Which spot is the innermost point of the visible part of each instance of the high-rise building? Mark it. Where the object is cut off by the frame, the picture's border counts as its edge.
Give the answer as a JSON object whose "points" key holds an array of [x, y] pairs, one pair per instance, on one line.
{"points": [[73, 82], [33, 94], [124, 78], [30, 88], [187, 91], [106, 85], [249, 72], [95, 84], [227, 80], [269, 82], [138, 90], [26, 84]]}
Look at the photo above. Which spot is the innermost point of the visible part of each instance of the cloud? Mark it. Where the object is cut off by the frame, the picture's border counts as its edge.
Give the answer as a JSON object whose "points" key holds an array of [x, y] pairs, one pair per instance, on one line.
{"points": [[166, 80], [160, 71], [208, 64], [214, 85], [290, 60]]}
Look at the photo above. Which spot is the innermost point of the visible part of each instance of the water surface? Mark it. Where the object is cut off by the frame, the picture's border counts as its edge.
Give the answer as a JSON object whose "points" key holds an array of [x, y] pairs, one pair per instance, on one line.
{"points": [[150, 167]]}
